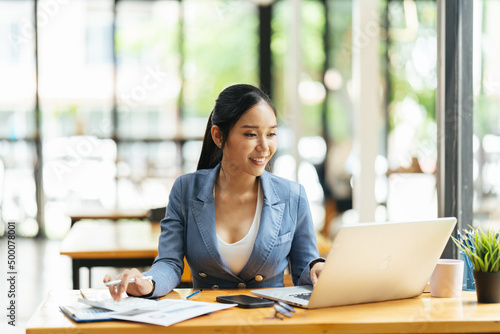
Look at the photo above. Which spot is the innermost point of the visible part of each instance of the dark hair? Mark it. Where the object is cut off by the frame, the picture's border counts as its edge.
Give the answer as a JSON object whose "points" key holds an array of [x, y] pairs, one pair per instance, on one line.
{"points": [[231, 104]]}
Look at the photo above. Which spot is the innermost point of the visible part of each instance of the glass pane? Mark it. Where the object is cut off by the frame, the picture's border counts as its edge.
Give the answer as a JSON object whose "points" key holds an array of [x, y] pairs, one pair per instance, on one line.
{"points": [[339, 75], [338, 80], [17, 68], [17, 117], [412, 138], [311, 88], [220, 48], [413, 79], [191, 151], [279, 45], [17, 184], [312, 95], [146, 172], [79, 172], [76, 68], [148, 73], [486, 83]]}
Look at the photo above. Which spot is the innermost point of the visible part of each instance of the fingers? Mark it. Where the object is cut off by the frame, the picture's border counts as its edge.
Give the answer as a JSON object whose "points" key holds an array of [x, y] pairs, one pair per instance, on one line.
{"points": [[117, 290], [112, 288], [125, 277], [107, 278], [114, 291], [316, 271], [314, 278]]}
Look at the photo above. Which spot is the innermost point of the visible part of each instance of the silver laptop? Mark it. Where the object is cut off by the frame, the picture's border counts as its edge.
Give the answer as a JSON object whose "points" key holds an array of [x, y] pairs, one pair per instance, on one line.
{"points": [[371, 262]]}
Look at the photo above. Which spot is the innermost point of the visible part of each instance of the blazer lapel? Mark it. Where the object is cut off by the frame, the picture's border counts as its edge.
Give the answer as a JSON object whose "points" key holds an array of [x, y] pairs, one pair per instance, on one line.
{"points": [[270, 224], [203, 209]]}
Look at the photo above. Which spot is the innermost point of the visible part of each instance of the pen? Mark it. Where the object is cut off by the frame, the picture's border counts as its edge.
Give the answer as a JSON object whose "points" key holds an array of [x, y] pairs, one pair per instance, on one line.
{"points": [[132, 280], [193, 294], [285, 305]]}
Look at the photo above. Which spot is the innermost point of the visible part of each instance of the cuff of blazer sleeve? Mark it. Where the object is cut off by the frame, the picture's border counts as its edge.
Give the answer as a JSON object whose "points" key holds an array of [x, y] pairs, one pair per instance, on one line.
{"points": [[165, 278], [313, 262]]}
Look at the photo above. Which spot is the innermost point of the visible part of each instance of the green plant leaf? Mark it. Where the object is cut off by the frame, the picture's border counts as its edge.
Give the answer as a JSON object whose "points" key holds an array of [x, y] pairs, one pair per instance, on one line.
{"points": [[482, 248]]}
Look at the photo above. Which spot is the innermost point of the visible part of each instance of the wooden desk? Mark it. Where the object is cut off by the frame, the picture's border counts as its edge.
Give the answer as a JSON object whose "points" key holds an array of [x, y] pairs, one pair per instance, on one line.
{"points": [[101, 214], [423, 314], [113, 244]]}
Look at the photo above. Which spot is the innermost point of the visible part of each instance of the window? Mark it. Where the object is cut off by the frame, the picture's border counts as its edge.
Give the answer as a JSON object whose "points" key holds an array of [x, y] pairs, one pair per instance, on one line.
{"points": [[112, 109], [17, 116], [130, 108]]}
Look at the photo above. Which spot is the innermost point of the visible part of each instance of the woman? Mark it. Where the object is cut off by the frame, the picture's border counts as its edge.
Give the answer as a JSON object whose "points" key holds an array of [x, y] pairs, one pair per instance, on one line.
{"points": [[238, 225]]}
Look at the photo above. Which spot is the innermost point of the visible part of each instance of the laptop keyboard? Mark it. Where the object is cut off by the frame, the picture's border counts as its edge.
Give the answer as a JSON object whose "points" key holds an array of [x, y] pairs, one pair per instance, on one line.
{"points": [[303, 295]]}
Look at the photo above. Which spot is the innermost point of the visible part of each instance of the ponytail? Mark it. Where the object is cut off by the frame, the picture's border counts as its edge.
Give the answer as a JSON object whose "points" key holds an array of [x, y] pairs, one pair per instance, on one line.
{"points": [[211, 154]]}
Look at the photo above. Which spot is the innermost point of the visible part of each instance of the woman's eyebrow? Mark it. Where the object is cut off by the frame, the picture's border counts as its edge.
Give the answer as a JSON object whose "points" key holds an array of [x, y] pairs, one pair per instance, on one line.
{"points": [[256, 127]]}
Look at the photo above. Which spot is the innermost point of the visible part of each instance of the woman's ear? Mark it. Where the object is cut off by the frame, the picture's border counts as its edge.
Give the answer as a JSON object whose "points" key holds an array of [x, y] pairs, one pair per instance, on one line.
{"points": [[216, 135]]}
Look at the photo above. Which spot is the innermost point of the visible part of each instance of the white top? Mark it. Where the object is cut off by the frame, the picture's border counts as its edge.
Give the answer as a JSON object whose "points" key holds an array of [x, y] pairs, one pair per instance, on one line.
{"points": [[236, 255]]}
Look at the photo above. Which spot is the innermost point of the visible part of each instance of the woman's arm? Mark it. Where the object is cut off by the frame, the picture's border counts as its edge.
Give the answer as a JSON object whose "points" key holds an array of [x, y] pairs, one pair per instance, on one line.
{"points": [[304, 250], [169, 264]]}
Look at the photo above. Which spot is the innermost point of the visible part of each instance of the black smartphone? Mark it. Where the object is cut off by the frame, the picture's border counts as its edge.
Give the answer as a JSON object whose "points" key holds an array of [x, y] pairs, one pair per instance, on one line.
{"points": [[245, 301]]}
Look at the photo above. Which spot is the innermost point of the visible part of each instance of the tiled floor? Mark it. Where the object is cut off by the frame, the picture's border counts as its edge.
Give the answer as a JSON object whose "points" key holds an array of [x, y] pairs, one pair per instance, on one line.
{"points": [[40, 268]]}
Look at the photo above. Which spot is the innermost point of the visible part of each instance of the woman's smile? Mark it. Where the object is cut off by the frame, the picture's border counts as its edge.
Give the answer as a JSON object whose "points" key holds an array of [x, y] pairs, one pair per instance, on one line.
{"points": [[260, 161]]}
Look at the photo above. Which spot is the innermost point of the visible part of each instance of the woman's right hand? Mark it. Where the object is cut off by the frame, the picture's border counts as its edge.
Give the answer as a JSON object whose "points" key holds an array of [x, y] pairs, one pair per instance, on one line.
{"points": [[140, 287]]}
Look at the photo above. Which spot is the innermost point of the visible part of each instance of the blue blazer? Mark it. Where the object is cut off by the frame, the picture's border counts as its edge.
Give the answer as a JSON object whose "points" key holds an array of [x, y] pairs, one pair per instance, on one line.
{"points": [[286, 235]]}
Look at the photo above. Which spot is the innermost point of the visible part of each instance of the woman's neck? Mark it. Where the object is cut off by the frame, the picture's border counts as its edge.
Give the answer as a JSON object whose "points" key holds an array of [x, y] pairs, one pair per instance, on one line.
{"points": [[235, 184]]}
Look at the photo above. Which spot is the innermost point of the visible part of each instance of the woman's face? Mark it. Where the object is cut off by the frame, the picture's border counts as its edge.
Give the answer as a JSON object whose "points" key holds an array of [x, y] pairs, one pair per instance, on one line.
{"points": [[251, 142]]}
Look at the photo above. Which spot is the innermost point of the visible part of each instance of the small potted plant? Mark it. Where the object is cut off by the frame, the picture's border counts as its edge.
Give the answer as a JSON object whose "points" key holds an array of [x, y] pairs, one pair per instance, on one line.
{"points": [[483, 250]]}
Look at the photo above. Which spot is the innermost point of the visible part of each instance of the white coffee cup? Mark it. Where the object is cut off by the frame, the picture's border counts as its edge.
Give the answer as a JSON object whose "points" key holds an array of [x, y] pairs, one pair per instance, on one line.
{"points": [[447, 277]]}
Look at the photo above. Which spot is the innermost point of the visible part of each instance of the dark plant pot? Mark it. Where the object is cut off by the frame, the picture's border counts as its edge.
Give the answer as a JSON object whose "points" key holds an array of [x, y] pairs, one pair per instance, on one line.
{"points": [[487, 287]]}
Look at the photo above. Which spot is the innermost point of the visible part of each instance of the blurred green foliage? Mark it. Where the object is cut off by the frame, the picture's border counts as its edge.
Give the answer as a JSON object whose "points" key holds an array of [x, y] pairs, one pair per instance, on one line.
{"points": [[220, 49], [405, 56]]}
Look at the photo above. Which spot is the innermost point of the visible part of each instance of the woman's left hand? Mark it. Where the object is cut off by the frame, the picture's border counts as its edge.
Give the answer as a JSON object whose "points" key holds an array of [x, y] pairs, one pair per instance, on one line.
{"points": [[316, 271]]}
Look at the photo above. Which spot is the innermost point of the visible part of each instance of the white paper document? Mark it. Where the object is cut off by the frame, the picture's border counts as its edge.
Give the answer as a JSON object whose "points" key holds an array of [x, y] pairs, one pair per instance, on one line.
{"points": [[171, 311], [126, 304]]}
